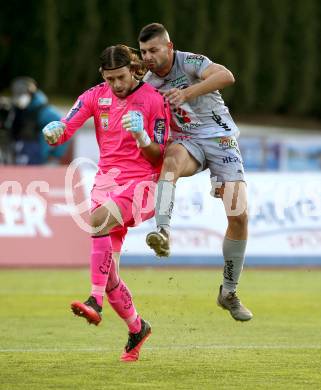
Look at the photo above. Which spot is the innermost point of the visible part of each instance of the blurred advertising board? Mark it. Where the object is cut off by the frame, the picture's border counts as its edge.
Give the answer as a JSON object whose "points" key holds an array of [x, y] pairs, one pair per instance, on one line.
{"points": [[40, 226], [35, 224], [284, 222], [285, 154], [261, 154], [303, 155]]}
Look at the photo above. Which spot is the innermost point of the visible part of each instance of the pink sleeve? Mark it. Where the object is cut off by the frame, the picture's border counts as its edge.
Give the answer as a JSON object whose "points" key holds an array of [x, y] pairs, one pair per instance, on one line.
{"points": [[158, 121], [77, 116]]}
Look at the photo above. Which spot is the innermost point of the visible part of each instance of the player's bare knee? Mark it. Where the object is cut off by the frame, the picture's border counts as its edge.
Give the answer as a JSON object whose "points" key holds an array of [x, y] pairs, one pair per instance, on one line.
{"points": [[106, 217], [170, 164], [100, 222], [238, 222], [95, 220], [177, 166], [235, 199]]}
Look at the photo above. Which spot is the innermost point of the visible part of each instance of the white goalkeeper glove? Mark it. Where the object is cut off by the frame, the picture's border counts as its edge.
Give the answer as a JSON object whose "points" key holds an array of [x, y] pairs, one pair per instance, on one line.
{"points": [[53, 131], [133, 121]]}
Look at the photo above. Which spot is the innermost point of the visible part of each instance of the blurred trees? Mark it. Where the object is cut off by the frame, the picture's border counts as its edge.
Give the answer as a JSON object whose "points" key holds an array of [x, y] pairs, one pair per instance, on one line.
{"points": [[52, 45], [272, 47], [273, 55]]}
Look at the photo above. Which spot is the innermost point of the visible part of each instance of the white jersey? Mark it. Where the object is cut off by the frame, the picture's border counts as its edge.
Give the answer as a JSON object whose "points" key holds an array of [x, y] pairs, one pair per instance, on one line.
{"points": [[203, 117]]}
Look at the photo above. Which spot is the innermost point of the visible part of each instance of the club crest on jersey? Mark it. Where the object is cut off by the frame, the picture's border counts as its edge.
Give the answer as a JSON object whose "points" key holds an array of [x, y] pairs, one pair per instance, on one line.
{"points": [[104, 121], [104, 101], [186, 121], [159, 131]]}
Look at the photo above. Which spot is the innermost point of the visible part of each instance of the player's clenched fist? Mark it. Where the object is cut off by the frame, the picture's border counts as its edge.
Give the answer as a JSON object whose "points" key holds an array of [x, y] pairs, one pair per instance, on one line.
{"points": [[52, 131], [133, 121]]}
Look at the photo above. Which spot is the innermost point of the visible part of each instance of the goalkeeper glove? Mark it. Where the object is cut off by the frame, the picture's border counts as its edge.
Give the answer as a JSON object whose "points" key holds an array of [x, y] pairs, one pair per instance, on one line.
{"points": [[133, 121], [52, 131]]}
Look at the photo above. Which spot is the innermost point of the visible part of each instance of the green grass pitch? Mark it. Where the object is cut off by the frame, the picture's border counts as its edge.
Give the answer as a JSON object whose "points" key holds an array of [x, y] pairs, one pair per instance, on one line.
{"points": [[194, 345]]}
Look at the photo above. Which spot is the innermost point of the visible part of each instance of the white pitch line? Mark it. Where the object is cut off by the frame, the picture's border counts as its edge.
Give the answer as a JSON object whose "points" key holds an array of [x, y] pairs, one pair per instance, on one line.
{"points": [[168, 347]]}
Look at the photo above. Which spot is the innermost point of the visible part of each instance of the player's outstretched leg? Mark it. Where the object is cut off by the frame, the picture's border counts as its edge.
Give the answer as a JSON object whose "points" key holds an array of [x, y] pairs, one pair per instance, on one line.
{"points": [[159, 240], [135, 342], [232, 303], [89, 310]]}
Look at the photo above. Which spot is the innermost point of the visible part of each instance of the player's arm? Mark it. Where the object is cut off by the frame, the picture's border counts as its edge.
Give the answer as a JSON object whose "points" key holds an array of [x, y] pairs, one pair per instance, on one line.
{"points": [[58, 132], [152, 153], [213, 78], [133, 121]]}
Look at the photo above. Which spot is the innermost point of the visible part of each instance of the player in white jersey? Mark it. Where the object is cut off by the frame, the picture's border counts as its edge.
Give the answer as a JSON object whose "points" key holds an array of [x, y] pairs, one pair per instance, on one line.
{"points": [[204, 136]]}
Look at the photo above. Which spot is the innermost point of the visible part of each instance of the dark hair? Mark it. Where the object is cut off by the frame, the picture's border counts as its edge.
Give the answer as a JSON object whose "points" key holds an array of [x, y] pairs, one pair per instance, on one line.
{"points": [[114, 57], [151, 31], [22, 85]]}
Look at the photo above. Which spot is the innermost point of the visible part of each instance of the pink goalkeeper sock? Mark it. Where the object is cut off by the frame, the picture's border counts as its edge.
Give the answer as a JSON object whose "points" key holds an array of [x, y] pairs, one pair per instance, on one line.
{"points": [[101, 260], [121, 301], [135, 327]]}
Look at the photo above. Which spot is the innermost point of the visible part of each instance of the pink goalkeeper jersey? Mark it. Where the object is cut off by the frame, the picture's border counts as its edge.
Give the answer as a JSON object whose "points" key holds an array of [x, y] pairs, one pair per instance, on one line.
{"points": [[118, 148]]}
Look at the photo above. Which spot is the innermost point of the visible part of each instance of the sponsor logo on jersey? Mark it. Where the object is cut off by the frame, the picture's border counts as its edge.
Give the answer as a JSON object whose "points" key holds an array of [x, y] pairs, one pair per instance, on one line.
{"points": [[228, 143], [183, 120], [104, 120], [194, 59], [76, 107], [190, 126], [159, 131], [179, 137], [229, 159], [218, 120], [180, 82], [181, 115], [104, 101]]}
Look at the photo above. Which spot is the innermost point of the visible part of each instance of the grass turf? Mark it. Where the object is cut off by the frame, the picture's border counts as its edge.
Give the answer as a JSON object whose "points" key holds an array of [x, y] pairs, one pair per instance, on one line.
{"points": [[194, 345]]}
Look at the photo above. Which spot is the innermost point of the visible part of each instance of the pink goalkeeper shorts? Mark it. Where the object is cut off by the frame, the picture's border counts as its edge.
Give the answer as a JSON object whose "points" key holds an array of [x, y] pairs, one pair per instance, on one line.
{"points": [[135, 199]]}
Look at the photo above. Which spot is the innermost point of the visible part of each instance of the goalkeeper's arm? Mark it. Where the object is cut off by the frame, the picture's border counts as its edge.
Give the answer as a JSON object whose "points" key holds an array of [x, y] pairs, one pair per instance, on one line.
{"points": [[134, 123]]}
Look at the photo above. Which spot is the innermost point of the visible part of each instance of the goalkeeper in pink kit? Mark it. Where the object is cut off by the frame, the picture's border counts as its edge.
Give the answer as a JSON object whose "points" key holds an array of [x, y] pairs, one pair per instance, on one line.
{"points": [[131, 122]]}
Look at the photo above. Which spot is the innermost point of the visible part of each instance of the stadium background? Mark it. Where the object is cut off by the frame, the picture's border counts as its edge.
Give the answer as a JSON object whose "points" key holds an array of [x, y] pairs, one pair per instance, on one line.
{"points": [[273, 48]]}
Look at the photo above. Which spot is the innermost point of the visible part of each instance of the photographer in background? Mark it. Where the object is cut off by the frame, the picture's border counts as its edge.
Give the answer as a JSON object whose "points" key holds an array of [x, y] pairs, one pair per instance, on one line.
{"points": [[28, 114]]}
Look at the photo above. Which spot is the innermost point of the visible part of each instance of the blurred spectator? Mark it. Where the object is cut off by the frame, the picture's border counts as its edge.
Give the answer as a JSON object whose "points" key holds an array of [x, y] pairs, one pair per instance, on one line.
{"points": [[5, 149], [28, 114]]}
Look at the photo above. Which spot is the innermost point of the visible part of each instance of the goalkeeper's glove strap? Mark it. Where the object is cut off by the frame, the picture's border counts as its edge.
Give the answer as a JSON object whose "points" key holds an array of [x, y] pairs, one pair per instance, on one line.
{"points": [[144, 140]]}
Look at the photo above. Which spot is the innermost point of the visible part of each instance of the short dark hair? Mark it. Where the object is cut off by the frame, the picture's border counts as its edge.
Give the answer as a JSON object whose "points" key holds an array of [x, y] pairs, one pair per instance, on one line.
{"points": [[151, 31]]}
